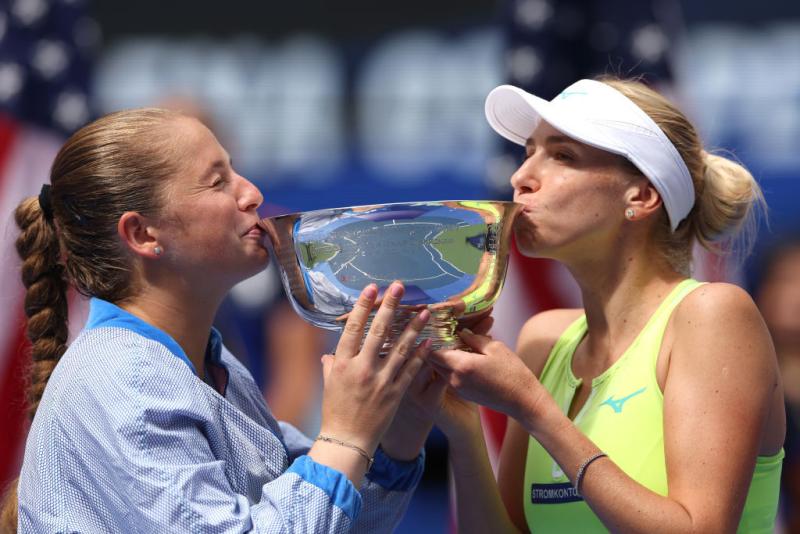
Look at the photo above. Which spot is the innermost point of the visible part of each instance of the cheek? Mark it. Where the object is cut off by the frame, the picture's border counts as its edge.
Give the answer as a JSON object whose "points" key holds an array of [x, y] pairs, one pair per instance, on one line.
{"points": [[574, 214], [208, 236], [568, 203], [593, 202]]}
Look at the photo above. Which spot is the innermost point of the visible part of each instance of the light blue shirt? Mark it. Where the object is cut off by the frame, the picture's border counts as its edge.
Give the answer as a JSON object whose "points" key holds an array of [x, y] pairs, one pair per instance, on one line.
{"points": [[127, 438]]}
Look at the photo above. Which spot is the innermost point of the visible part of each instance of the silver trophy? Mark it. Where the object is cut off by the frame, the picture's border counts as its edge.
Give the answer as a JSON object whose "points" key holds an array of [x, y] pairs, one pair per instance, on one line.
{"points": [[450, 255]]}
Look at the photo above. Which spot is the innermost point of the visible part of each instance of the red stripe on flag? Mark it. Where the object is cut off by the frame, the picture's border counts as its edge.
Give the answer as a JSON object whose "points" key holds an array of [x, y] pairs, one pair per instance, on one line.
{"points": [[13, 354], [12, 398], [8, 132]]}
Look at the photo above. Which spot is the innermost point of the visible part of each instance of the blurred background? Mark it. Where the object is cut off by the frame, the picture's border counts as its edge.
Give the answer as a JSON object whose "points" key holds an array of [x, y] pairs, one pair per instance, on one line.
{"points": [[327, 104]]}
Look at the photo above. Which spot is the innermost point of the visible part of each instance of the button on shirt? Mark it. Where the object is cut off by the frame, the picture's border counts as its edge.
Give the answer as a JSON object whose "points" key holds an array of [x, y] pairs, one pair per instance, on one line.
{"points": [[127, 438]]}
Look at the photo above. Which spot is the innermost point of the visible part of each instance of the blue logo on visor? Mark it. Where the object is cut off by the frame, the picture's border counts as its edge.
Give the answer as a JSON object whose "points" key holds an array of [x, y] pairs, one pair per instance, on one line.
{"points": [[567, 94]]}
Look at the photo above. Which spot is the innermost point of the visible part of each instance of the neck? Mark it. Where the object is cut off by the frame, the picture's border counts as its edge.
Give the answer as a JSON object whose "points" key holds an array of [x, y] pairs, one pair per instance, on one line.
{"points": [[620, 292], [186, 317]]}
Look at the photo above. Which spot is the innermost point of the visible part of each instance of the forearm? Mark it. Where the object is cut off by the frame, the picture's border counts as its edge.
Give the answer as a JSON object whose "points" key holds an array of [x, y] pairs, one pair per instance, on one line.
{"points": [[406, 437], [479, 507], [621, 503]]}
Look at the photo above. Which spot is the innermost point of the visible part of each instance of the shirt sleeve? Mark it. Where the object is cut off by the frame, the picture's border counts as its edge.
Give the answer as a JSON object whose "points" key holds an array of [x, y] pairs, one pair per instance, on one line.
{"points": [[386, 490]]}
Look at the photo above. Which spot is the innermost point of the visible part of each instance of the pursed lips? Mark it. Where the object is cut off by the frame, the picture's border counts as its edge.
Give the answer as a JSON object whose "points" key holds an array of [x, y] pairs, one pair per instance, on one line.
{"points": [[251, 228], [525, 218], [254, 231], [527, 210]]}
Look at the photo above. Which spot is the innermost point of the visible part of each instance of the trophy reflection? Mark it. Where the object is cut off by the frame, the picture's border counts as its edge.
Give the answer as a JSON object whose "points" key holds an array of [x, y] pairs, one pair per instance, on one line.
{"points": [[451, 256]]}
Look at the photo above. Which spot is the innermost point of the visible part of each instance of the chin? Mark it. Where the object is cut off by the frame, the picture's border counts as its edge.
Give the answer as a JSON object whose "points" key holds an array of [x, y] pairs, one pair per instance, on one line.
{"points": [[252, 264], [531, 246], [526, 241], [259, 262]]}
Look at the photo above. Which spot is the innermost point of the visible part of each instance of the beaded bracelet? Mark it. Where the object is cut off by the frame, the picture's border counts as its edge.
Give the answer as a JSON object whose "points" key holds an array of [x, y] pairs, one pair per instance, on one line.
{"points": [[370, 459], [582, 470]]}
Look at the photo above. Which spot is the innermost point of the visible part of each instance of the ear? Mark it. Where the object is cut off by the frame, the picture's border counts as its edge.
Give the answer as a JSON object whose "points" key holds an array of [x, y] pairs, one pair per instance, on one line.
{"points": [[137, 235], [643, 198]]}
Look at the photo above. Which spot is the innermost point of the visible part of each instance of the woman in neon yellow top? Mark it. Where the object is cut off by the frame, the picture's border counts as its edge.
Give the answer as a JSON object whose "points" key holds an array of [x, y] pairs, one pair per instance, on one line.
{"points": [[658, 406]]}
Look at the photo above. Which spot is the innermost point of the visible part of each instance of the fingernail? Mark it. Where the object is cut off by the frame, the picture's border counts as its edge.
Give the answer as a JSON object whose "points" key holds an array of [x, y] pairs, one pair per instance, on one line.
{"points": [[427, 344], [371, 291], [396, 290], [468, 331], [424, 315]]}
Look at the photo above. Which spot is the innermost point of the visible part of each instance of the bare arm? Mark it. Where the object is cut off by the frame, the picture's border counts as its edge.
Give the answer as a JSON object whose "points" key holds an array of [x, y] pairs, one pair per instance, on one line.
{"points": [[479, 507], [721, 377], [484, 504]]}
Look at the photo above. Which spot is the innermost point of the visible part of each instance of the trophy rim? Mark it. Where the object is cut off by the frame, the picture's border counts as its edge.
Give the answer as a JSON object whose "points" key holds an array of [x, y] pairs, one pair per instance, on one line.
{"points": [[365, 207]]}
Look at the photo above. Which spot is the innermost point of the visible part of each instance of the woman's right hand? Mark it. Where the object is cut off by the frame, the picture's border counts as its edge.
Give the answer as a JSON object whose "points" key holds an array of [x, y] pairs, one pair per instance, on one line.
{"points": [[457, 417], [362, 390]]}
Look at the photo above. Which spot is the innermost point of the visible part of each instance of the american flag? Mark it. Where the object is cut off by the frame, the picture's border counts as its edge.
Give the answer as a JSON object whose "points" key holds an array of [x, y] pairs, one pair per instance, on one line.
{"points": [[45, 57]]}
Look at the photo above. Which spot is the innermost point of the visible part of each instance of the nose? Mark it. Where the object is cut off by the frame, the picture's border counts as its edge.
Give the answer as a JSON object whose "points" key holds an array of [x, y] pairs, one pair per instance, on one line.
{"points": [[250, 197], [525, 179]]}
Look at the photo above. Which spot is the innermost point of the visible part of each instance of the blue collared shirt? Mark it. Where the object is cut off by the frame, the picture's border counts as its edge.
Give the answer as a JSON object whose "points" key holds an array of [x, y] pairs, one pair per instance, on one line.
{"points": [[127, 438]]}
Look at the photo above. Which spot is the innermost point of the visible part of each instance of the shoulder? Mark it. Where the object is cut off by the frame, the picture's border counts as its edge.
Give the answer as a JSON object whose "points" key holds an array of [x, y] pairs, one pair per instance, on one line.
{"points": [[718, 309], [721, 323], [540, 333], [105, 389], [716, 298], [114, 365], [124, 350]]}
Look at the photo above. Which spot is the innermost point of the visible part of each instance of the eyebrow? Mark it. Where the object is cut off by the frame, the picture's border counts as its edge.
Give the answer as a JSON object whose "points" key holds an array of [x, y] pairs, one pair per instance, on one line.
{"points": [[553, 139]]}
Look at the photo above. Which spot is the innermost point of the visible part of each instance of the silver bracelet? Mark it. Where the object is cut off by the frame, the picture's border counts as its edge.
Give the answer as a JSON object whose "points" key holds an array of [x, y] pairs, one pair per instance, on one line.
{"points": [[582, 470], [370, 459]]}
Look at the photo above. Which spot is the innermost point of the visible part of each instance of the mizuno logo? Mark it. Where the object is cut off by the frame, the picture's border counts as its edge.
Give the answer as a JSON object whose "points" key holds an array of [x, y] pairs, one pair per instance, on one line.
{"points": [[567, 94], [616, 404]]}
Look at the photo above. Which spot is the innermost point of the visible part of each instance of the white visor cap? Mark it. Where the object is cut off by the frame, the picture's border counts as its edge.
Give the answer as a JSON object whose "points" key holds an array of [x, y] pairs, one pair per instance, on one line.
{"points": [[597, 114]]}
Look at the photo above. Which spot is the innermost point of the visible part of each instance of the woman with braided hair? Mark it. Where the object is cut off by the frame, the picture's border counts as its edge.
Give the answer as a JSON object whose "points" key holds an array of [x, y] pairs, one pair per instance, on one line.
{"points": [[146, 423]]}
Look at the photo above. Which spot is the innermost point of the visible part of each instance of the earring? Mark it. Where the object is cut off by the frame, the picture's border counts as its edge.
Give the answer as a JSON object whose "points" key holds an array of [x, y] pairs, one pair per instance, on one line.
{"points": [[629, 213], [157, 251]]}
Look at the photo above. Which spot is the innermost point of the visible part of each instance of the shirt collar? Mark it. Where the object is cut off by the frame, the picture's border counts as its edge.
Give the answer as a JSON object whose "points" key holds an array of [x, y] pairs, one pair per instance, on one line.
{"points": [[103, 313]]}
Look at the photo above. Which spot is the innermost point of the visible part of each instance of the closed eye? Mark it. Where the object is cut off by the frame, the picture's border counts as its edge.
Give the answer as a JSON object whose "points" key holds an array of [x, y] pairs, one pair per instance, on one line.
{"points": [[219, 181], [562, 155]]}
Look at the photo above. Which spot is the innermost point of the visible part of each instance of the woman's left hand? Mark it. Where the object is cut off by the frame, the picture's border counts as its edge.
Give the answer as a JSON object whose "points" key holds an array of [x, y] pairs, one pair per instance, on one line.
{"points": [[493, 375], [414, 418]]}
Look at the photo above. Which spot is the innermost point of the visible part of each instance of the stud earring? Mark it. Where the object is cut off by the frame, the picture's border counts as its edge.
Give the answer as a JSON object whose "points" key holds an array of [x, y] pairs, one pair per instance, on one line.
{"points": [[157, 251], [629, 213]]}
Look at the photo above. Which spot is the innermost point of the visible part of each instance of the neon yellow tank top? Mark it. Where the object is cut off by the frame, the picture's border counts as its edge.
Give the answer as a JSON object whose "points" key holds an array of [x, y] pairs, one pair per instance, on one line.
{"points": [[623, 416]]}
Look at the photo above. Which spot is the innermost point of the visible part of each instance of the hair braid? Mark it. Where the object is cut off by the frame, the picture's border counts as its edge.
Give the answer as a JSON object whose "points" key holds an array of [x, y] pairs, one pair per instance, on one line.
{"points": [[45, 298]]}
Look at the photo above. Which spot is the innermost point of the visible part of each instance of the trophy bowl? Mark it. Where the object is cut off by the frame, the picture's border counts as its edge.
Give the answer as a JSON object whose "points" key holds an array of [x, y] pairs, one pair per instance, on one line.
{"points": [[450, 255]]}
